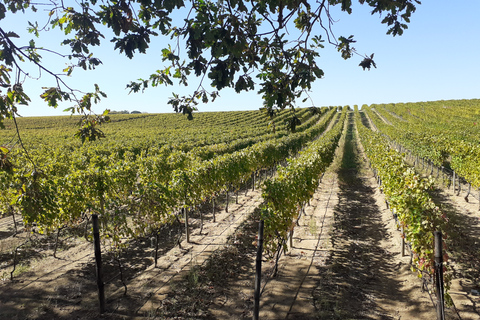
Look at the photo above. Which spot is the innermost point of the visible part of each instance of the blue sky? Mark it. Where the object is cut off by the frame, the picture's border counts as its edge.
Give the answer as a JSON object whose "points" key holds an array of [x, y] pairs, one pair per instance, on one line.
{"points": [[437, 58]]}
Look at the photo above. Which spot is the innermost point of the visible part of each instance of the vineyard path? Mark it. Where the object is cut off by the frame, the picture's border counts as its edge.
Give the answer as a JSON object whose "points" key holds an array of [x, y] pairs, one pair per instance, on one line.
{"points": [[63, 287], [345, 263], [346, 260]]}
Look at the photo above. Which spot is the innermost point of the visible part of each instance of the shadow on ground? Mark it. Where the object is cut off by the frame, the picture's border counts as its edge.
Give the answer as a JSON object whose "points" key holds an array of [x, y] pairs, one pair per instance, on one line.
{"points": [[73, 294], [463, 246], [203, 285], [359, 270]]}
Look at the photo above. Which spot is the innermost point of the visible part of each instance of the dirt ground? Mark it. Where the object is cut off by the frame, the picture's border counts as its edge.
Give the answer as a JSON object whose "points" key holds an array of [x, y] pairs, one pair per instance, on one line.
{"points": [[345, 263]]}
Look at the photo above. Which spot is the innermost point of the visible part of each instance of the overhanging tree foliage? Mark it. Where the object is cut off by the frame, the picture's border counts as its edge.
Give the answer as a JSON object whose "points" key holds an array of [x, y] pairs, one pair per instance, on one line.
{"points": [[227, 43]]}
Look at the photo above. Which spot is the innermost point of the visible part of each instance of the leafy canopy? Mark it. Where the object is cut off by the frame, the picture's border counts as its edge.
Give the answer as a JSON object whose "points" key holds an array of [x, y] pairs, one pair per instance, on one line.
{"points": [[272, 45]]}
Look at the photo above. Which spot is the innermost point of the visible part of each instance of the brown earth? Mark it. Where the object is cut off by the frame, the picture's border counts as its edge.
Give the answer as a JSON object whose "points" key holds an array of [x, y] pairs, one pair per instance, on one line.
{"points": [[345, 263]]}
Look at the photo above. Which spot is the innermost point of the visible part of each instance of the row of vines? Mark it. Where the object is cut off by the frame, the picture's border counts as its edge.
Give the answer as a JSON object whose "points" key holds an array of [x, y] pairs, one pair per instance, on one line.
{"points": [[448, 136], [296, 183], [408, 196], [137, 192]]}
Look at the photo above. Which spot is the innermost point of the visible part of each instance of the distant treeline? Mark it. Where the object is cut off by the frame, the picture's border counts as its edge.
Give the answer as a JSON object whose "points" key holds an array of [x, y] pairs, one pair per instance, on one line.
{"points": [[124, 112]]}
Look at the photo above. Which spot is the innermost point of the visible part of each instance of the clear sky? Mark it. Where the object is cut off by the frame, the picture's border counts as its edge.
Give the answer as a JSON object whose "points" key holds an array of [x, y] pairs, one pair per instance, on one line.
{"points": [[437, 58]]}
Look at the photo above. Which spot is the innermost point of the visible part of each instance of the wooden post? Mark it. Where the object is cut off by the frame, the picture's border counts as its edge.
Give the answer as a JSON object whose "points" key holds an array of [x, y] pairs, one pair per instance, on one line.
{"points": [[226, 207], [213, 205], [187, 230], [258, 272], [291, 238], [98, 262], [459, 186], [201, 219], [453, 182], [403, 243], [439, 275], [253, 181], [156, 247], [14, 221], [56, 243]]}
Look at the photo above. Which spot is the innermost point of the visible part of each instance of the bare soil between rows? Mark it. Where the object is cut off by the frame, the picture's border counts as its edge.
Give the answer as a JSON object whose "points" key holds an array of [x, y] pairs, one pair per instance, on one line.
{"points": [[345, 263]]}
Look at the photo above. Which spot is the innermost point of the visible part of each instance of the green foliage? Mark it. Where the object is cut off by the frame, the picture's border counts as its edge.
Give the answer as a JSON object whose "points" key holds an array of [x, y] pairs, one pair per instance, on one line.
{"points": [[408, 196], [5, 163], [367, 63], [228, 43], [446, 132], [53, 95], [135, 190], [295, 184]]}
